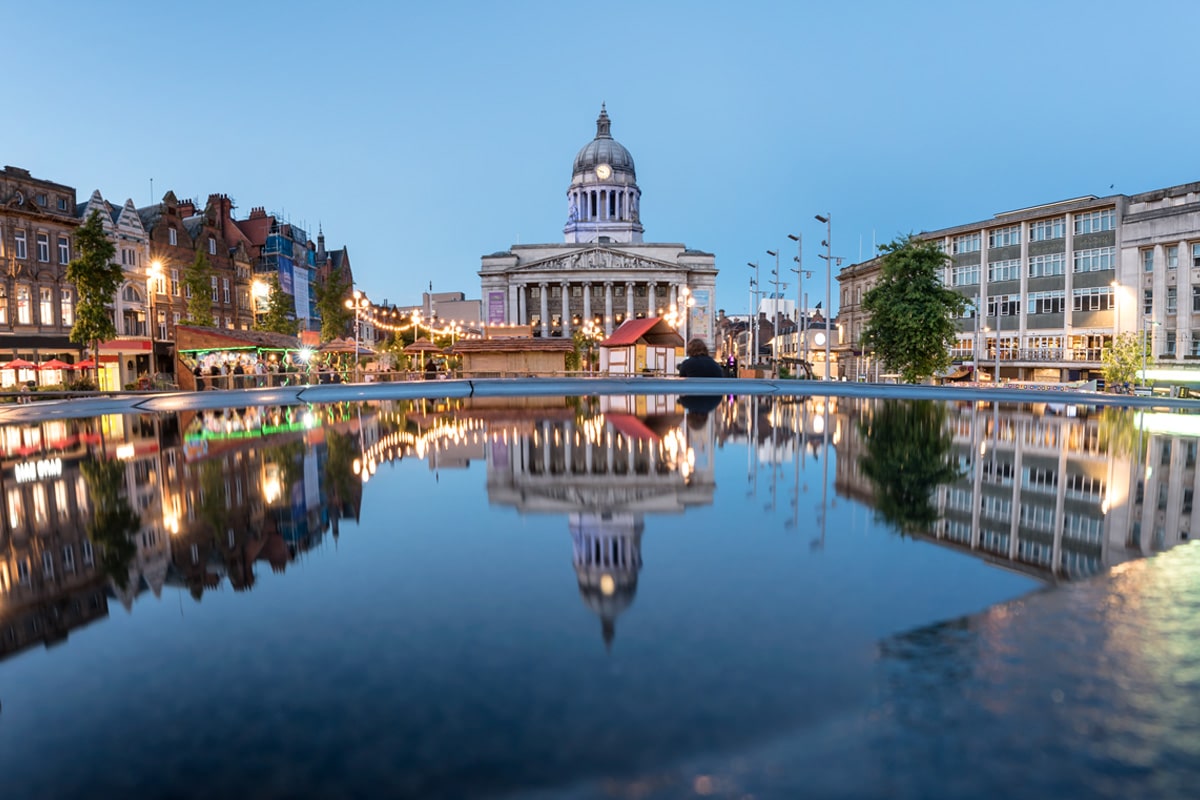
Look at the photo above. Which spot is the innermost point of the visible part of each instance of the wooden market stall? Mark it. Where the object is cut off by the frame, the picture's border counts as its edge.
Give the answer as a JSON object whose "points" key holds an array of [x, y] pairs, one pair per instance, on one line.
{"points": [[640, 346]]}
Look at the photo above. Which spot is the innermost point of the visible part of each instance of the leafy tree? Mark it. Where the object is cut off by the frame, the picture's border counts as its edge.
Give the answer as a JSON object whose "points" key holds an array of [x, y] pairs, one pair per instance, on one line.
{"points": [[912, 314], [907, 455], [279, 306], [113, 521], [198, 280], [96, 279], [1121, 362], [331, 304]]}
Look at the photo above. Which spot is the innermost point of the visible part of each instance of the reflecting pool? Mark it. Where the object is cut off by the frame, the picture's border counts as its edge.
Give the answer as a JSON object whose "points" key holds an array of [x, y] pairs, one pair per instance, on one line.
{"points": [[632, 597]]}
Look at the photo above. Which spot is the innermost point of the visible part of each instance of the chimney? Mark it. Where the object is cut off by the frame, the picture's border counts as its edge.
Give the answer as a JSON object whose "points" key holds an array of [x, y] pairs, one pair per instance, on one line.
{"points": [[187, 208]]}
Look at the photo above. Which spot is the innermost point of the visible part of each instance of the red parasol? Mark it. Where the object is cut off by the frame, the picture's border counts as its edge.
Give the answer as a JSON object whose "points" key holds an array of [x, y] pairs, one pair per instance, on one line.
{"points": [[55, 363], [88, 364], [18, 363]]}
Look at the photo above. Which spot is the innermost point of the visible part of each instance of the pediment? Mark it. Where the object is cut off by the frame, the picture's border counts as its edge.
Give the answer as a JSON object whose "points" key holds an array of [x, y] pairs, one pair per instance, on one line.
{"points": [[596, 259]]}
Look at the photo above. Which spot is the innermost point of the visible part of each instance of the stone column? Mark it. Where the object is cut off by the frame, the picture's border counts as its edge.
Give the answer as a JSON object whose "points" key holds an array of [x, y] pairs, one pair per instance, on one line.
{"points": [[628, 300], [608, 309], [587, 302], [545, 292], [566, 310], [651, 298]]}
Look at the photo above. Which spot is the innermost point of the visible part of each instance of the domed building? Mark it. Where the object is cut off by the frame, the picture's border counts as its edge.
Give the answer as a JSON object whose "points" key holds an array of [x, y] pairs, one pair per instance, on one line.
{"points": [[605, 271]]}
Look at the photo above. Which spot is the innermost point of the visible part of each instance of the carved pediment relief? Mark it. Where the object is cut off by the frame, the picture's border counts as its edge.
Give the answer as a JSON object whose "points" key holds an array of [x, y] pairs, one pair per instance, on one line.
{"points": [[597, 258]]}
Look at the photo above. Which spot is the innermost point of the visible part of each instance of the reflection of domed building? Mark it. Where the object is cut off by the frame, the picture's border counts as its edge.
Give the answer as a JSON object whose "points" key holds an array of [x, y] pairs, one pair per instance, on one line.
{"points": [[605, 472], [604, 272], [608, 556]]}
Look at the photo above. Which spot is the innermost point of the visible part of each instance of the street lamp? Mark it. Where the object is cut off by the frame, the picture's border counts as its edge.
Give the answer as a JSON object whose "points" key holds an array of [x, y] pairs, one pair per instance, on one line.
{"points": [[801, 274], [359, 304], [154, 274], [775, 303], [828, 220], [1146, 323], [754, 314]]}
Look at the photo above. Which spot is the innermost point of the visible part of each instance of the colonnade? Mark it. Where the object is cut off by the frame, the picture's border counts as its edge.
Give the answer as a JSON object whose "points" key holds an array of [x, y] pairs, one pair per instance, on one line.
{"points": [[622, 301]]}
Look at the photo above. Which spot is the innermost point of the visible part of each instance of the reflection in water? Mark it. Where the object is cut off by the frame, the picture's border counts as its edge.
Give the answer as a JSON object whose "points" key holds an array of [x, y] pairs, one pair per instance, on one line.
{"points": [[116, 507]]}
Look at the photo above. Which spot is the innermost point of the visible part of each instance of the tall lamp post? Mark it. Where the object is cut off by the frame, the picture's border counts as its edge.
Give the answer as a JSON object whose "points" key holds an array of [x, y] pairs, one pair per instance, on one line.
{"points": [[828, 220], [754, 313], [801, 274], [775, 316], [358, 304], [153, 275]]}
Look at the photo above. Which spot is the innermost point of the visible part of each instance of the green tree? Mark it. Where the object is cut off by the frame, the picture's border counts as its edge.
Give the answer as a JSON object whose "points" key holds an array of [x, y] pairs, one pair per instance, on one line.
{"points": [[1121, 361], [279, 306], [198, 280], [331, 304], [907, 455], [912, 314], [113, 521], [96, 279]]}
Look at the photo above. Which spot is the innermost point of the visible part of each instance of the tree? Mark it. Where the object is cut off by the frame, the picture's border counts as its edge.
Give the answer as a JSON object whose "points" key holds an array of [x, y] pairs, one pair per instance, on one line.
{"points": [[331, 304], [198, 280], [279, 306], [1121, 362], [907, 455], [96, 279], [912, 314]]}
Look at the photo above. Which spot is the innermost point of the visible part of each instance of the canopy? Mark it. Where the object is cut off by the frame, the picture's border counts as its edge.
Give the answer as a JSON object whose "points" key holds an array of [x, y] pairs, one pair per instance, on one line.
{"points": [[88, 364], [344, 345], [55, 363], [18, 363], [422, 345]]}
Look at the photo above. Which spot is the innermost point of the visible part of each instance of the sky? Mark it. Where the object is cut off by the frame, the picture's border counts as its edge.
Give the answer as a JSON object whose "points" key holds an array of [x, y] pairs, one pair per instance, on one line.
{"points": [[424, 135]]}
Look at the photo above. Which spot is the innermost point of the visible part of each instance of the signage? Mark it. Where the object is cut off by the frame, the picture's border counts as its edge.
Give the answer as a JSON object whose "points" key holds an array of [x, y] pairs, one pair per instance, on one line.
{"points": [[496, 312], [38, 470]]}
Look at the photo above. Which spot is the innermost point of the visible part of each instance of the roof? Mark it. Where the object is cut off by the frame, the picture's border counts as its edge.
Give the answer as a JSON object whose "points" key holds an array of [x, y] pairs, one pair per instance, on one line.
{"points": [[194, 337], [533, 345], [650, 330]]}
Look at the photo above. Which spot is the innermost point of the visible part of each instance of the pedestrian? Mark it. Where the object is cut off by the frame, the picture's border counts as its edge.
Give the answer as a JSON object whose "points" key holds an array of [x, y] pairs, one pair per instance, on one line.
{"points": [[699, 364], [430, 369], [239, 373]]}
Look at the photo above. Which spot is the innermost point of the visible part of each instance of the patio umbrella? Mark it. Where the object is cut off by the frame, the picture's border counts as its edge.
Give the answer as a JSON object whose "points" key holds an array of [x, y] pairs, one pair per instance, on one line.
{"points": [[421, 345], [55, 363], [18, 363], [343, 345], [88, 364]]}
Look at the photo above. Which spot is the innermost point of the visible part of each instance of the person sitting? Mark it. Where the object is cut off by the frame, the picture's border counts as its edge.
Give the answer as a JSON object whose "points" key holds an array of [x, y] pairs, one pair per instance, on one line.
{"points": [[699, 364]]}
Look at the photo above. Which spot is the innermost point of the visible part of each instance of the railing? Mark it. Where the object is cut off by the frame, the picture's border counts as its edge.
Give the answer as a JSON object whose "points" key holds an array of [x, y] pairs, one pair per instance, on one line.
{"points": [[1085, 354]]}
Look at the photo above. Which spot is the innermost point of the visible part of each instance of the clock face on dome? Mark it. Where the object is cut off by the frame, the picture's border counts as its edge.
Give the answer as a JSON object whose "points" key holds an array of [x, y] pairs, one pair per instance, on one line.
{"points": [[604, 172]]}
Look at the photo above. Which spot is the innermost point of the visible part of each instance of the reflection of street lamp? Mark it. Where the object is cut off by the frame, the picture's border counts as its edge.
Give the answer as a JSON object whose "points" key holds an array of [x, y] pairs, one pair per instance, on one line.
{"points": [[359, 304]]}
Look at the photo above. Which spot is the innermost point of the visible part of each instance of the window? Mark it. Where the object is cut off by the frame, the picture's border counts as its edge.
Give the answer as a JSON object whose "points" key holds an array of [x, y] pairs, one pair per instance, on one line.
{"points": [[1097, 298], [3, 304], [1196, 298], [1009, 305], [225, 289], [1148, 301], [1148, 260], [1047, 302], [214, 288], [62, 204], [87, 552], [175, 283], [1004, 270], [162, 325], [47, 564], [172, 236], [175, 317], [1094, 260], [24, 312], [1047, 265], [68, 309], [967, 243], [43, 248], [1004, 237], [212, 246], [64, 250], [964, 276], [68, 558], [1172, 300], [1195, 346], [1170, 343], [23, 570], [1045, 229], [46, 305], [19, 240], [243, 298], [1173, 256], [1196, 255], [1095, 221]]}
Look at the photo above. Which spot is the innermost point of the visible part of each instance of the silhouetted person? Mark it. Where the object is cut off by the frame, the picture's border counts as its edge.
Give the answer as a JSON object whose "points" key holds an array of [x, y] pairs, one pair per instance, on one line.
{"points": [[699, 364], [430, 370]]}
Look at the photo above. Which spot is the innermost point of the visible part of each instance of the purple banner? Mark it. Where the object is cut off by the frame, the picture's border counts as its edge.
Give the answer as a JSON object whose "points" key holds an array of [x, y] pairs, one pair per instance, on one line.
{"points": [[496, 313]]}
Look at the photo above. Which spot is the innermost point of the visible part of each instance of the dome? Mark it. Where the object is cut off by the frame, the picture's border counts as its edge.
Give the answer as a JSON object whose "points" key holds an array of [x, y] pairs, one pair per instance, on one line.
{"points": [[603, 150]]}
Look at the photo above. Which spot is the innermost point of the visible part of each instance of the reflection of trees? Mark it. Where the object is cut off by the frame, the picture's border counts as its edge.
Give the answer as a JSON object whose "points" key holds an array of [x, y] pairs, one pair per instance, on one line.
{"points": [[906, 457], [213, 505], [113, 521], [340, 453], [1118, 432]]}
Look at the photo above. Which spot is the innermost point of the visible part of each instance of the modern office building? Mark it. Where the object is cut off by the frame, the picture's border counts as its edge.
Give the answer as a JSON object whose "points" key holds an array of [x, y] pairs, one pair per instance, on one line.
{"points": [[1048, 286], [603, 272]]}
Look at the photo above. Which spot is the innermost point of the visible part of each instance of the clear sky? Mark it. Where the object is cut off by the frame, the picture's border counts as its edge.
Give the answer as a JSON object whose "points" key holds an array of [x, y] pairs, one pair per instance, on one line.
{"points": [[424, 135]]}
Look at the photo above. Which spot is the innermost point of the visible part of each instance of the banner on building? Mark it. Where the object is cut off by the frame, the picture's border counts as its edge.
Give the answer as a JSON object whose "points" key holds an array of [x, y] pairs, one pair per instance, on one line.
{"points": [[300, 281], [285, 275], [497, 311], [700, 317]]}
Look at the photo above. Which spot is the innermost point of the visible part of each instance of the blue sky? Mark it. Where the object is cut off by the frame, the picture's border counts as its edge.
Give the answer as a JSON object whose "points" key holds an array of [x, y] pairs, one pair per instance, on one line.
{"points": [[423, 136]]}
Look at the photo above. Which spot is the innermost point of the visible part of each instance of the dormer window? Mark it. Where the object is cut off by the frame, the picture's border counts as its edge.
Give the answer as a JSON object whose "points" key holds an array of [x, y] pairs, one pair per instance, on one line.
{"points": [[172, 236]]}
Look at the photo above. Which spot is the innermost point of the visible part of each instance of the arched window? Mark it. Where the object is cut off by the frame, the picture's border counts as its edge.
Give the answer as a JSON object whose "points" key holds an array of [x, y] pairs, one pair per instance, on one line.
{"points": [[130, 294]]}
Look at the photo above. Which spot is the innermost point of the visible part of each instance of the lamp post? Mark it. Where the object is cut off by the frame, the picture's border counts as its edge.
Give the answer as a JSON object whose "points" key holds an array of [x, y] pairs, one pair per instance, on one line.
{"points": [[997, 343], [801, 274], [1146, 324], [828, 220], [359, 304], [754, 313], [775, 304], [154, 274]]}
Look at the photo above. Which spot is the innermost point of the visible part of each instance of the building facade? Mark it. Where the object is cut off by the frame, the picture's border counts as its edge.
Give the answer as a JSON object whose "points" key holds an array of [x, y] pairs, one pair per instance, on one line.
{"points": [[604, 273], [37, 303], [1048, 287]]}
